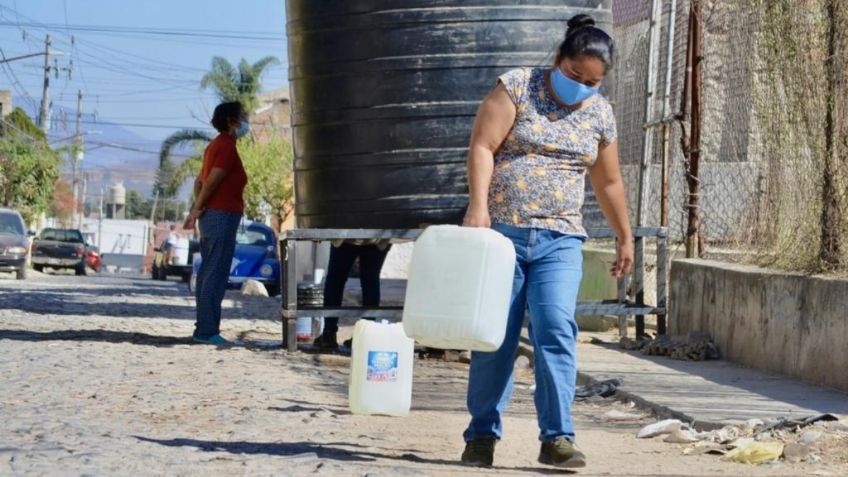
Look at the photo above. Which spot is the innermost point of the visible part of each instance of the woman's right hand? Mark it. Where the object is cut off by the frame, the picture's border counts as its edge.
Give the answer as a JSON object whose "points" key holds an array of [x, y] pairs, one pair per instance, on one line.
{"points": [[477, 217]]}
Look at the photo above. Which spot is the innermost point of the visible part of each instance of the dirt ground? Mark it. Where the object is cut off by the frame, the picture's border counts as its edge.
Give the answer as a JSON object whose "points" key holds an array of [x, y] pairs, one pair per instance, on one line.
{"points": [[98, 378]]}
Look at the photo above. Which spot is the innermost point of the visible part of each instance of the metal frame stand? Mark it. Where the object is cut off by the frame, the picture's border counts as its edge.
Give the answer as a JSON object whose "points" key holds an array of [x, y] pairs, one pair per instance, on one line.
{"points": [[620, 306]]}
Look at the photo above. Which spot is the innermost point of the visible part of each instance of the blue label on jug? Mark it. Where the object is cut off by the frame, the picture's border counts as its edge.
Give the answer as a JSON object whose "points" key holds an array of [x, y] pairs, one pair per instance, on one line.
{"points": [[382, 366]]}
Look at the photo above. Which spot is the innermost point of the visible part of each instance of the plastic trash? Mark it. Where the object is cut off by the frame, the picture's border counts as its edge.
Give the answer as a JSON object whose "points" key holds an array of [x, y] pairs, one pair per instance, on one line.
{"points": [[380, 369], [459, 288], [682, 436], [603, 389], [659, 428], [755, 453]]}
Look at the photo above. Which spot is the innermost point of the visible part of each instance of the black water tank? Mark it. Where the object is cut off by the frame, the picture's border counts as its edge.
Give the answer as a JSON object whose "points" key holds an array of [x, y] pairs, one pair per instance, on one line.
{"points": [[384, 94]]}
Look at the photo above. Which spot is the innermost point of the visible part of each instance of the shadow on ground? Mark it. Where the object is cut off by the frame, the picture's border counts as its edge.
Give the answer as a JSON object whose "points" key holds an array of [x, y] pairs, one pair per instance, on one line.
{"points": [[105, 336], [338, 451]]}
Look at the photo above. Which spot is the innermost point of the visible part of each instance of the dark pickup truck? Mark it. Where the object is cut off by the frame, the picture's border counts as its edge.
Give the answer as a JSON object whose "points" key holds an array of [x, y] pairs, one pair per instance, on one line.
{"points": [[59, 248]]}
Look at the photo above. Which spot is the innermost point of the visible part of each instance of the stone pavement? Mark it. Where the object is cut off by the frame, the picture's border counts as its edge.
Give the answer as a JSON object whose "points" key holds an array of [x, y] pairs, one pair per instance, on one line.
{"points": [[706, 393]]}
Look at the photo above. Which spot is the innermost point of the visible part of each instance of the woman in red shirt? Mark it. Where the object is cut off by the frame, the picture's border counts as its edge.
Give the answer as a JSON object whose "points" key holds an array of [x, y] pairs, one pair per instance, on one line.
{"points": [[218, 207]]}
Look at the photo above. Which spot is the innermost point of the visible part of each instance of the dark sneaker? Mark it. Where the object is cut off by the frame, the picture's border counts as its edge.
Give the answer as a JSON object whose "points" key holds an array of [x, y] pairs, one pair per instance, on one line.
{"points": [[562, 453], [479, 452], [326, 342]]}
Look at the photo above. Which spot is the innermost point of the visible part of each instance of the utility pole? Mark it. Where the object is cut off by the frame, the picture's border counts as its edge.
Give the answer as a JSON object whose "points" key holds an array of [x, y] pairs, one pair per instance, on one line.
{"points": [[44, 116], [100, 224], [82, 208], [78, 148]]}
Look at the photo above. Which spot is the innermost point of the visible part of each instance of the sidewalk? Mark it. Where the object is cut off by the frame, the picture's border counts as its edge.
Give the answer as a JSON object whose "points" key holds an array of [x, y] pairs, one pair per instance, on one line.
{"points": [[706, 393]]}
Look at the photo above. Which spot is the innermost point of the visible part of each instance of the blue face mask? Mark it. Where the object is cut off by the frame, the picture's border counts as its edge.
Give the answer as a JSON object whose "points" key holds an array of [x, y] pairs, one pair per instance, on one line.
{"points": [[569, 91], [243, 129]]}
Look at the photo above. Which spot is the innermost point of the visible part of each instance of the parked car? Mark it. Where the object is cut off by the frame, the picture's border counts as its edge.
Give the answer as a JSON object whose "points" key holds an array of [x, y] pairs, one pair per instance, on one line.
{"points": [[14, 246], [60, 248], [255, 258], [174, 257], [92, 258]]}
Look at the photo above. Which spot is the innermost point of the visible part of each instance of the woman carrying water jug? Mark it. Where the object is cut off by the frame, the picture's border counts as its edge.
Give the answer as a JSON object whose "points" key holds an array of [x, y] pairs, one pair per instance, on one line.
{"points": [[536, 134]]}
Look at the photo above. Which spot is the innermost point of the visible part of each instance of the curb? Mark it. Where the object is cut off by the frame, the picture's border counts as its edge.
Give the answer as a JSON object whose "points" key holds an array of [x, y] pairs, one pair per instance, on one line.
{"points": [[662, 412]]}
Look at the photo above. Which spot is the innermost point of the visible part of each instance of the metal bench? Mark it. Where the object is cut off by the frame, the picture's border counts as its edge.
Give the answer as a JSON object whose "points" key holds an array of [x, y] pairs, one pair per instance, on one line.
{"points": [[625, 305]]}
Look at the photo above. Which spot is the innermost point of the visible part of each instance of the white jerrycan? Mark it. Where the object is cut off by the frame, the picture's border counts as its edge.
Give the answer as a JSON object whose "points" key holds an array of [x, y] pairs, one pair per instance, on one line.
{"points": [[459, 288], [380, 369]]}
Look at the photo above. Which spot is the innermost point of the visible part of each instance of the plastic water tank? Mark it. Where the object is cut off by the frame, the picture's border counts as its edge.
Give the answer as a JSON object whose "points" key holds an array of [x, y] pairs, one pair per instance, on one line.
{"points": [[459, 288], [118, 194], [384, 94]]}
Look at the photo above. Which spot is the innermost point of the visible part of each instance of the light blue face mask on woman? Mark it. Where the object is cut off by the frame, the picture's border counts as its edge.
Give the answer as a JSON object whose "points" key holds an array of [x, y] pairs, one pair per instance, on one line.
{"points": [[243, 129], [569, 91]]}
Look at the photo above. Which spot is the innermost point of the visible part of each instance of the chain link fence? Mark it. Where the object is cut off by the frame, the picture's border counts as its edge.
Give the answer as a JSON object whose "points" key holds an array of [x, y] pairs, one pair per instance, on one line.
{"points": [[774, 149]]}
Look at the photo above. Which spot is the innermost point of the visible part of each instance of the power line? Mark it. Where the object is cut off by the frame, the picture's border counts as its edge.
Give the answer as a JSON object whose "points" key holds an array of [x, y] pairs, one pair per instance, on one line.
{"points": [[140, 125], [197, 33]]}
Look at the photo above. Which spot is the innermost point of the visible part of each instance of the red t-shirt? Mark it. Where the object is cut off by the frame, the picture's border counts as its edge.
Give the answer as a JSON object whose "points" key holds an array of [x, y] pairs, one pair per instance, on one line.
{"points": [[222, 153]]}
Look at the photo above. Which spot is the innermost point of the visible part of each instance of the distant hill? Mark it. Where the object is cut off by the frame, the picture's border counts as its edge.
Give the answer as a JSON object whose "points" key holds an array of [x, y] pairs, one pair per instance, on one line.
{"points": [[112, 152]]}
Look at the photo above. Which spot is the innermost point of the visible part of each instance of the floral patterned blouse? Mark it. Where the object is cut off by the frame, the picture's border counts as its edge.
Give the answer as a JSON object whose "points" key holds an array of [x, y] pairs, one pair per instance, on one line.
{"points": [[538, 180]]}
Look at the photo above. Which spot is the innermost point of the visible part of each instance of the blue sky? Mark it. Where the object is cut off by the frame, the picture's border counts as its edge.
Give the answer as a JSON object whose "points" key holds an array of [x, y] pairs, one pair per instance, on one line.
{"points": [[143, 72]]}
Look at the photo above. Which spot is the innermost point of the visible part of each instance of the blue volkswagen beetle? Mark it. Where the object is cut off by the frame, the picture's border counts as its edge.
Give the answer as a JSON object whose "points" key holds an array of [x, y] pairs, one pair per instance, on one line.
{"points": [[255, 258]]}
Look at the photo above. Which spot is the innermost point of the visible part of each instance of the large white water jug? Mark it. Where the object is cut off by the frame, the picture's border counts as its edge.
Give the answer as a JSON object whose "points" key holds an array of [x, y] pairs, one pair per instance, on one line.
{"points": [[459, 288], [380, 369]]}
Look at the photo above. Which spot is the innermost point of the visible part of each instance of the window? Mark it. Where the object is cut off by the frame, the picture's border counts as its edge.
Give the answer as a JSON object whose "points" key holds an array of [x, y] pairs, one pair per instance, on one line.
{"points": [[11, 224], [254, 236]]}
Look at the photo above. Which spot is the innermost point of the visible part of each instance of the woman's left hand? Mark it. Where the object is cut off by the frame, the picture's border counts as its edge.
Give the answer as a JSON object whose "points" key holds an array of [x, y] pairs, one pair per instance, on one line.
{"points": [[192, 218], [623, 258]]}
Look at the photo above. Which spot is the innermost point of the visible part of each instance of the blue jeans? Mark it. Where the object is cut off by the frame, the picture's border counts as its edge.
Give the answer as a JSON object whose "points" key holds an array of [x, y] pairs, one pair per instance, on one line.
{"points": [[548, 269], [217, 245]]}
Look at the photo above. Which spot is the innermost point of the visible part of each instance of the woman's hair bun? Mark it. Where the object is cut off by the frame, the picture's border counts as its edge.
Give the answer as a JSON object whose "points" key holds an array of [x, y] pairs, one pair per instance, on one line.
{"points": [[579, 21]]}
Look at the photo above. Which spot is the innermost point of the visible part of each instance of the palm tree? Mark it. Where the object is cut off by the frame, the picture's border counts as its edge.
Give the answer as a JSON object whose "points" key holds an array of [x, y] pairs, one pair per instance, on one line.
{"points": [[237, 84], [230, 84]]}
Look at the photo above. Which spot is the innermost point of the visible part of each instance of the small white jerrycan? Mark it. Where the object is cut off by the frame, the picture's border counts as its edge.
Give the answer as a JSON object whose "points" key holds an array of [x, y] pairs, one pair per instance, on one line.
{"points": [[380, 369], [459, 288]]}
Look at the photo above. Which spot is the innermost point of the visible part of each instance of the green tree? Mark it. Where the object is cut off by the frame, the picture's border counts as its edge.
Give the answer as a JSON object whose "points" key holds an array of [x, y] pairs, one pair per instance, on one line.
{"points": [[270, 189], [230, 83], [237, 84], [270, 185], [136, 209], [28, 167]]}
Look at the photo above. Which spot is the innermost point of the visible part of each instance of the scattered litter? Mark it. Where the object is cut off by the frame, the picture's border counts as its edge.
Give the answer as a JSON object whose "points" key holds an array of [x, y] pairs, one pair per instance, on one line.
{"points": [[632, 345], [705, 448], [603, 389], [810, 437], [682, 436], [794, 452], [694, 347], [659, 428], [783, 423], [621, 416], [724, 435], [741, 442], [755, 453], [753, 424]]}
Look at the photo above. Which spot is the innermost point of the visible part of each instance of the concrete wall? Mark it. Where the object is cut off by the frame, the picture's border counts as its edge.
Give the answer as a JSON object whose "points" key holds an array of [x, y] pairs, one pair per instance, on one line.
{"points": [[783, 322]]}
